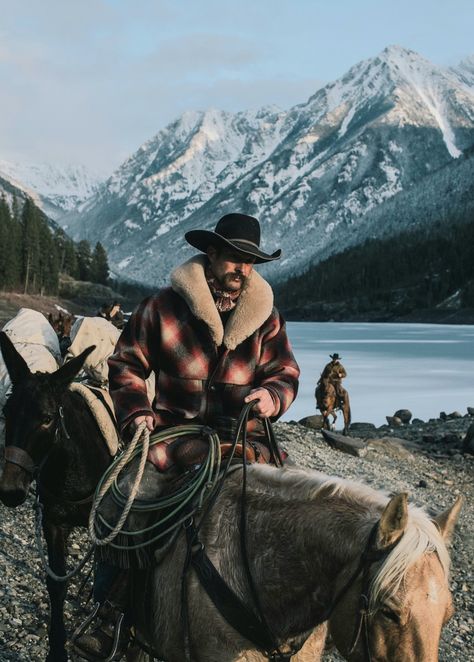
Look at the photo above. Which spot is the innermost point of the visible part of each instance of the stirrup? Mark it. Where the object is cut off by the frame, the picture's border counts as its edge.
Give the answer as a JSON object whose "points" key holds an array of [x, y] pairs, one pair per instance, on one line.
{"points": [[82, 627], [79, 631]]}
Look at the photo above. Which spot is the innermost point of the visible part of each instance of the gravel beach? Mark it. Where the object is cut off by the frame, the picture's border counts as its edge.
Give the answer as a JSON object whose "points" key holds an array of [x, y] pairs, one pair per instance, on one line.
{"points": [[424, 459]]}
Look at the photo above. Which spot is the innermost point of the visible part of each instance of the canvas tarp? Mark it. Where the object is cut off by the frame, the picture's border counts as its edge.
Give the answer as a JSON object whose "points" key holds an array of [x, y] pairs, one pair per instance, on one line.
{"points": [[37, 342]]}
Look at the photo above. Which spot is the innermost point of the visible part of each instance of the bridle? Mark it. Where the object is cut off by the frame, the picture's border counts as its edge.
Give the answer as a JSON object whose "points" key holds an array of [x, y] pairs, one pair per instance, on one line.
{"points": [[369, 556], [21, 458], [252, 623]]}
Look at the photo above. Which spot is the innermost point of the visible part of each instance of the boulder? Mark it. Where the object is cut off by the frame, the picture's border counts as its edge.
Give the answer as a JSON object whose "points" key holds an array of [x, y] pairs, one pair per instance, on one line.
{"points": [[314, 422], [470, 411], [455, 414], [392, 447], [451, 438], [417, 421], [404, 415], [394, 421], [468, 441], [349, 445], [362, 426]]}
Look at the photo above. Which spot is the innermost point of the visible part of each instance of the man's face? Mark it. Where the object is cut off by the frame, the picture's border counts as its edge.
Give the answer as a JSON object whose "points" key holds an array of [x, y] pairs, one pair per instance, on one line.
{"points": [[230, 267]]}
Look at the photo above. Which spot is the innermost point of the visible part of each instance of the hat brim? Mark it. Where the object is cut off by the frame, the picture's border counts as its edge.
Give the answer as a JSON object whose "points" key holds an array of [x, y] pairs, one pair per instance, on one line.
{"points": [[202, 239]]}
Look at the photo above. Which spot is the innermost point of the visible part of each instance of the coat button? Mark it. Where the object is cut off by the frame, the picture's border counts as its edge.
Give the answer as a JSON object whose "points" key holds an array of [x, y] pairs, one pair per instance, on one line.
{"points": [[212, 388]]}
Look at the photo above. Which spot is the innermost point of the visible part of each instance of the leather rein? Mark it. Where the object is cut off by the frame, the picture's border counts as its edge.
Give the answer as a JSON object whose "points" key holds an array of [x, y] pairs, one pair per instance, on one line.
{"points": [[252, 623]]}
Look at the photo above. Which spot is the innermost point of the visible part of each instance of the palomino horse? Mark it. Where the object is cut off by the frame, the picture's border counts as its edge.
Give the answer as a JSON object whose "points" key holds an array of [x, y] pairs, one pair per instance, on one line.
{"points": [[328, 401], [320, 549], [51, 437]]}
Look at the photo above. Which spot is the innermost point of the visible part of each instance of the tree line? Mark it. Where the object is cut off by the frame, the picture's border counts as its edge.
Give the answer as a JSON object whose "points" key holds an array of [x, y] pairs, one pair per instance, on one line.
{"points": [[32, 254], [412, 271]]}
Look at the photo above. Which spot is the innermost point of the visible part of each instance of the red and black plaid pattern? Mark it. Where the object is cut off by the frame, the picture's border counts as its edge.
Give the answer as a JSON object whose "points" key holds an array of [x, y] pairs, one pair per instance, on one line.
{"points": [[194, 378]]}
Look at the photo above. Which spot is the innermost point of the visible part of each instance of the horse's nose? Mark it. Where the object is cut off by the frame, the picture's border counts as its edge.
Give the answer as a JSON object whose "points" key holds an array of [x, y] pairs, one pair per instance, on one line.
{"points": [[14, 497]]}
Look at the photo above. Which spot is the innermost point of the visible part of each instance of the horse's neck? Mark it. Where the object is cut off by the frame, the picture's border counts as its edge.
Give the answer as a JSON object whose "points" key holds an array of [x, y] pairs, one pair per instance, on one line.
{"points": [[300, 550], [79, 458]]}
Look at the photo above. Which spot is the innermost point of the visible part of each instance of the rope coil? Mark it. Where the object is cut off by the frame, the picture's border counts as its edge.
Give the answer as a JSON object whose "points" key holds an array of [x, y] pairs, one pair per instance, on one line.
{"points": [[197, 489]]}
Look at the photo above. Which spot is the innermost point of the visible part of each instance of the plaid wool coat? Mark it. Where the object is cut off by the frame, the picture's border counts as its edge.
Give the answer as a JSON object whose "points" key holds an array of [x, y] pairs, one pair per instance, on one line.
{"points": [[202, 370]]}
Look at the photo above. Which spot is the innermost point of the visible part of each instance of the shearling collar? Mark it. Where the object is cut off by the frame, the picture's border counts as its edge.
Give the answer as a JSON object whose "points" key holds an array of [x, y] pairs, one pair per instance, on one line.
{"points": [[253, 307]]}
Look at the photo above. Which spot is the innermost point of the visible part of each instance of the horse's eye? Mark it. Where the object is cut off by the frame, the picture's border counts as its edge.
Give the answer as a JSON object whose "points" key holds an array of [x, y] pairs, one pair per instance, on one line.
{"points": [[46, 420], [390, 615]]}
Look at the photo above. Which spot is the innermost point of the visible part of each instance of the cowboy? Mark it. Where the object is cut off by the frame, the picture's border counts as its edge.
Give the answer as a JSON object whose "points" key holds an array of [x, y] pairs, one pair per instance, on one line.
{"points": [[214, 341], [334, 371]]}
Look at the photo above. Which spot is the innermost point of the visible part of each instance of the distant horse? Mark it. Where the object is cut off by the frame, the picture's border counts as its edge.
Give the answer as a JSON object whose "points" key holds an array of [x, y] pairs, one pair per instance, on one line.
{"points": [[51, 437], [320, 549], [328, 402], [62, 324]]}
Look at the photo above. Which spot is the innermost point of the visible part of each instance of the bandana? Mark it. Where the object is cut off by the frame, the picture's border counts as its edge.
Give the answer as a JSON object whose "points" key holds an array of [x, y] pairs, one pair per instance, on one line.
{"points": [[224, 300]]}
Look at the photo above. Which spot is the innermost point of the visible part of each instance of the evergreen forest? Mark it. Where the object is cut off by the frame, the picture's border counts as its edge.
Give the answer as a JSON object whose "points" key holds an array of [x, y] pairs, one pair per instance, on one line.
{"points": [[413, 271], [33, 254]]}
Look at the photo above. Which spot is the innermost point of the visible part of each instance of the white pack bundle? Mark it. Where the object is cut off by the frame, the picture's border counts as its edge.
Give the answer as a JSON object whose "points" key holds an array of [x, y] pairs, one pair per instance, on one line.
{"points": [[97, 331], [37, 342]]}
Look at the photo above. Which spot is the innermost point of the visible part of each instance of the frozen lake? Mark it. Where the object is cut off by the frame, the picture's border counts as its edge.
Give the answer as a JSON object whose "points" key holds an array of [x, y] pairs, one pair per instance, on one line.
{"points": [[426, 368]]}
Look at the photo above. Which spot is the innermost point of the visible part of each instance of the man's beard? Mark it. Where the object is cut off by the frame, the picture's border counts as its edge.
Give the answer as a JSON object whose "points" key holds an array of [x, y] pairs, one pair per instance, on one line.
{"points": [[232, 282]]}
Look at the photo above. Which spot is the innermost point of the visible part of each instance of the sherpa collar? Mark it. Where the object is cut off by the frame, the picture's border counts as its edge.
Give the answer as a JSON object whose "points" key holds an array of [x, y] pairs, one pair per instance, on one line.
{"points": [[253, 307]]}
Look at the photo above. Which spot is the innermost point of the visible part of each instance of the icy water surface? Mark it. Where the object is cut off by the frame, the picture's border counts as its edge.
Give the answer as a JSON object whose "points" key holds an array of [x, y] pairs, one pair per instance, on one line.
{"points": [[426, 368]]}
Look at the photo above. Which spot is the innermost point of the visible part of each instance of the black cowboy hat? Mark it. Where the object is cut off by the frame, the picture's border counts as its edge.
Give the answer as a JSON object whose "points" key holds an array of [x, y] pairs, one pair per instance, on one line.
{"points": [[237, 231], [335, 356]]}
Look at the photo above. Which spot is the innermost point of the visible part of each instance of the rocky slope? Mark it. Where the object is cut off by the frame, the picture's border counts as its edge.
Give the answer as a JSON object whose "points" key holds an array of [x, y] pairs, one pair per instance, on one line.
{"points": [[433, 471], [54, 189], [310, 173]]}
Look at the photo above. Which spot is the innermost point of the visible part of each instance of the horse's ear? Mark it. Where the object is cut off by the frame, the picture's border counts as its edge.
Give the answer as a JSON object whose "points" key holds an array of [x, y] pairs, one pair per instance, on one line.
{"points": [[393, 522], [66, 373], [16, 365], [447, 520]]}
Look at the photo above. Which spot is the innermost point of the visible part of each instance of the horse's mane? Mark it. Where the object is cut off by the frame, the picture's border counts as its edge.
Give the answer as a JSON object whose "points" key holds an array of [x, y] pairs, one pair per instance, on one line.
{"points": [[421, 535]]}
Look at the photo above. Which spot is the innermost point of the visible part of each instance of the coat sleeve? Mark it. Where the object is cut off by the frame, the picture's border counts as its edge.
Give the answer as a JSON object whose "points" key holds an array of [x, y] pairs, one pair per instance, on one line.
{"points": [[131, 364], [277, 369]]}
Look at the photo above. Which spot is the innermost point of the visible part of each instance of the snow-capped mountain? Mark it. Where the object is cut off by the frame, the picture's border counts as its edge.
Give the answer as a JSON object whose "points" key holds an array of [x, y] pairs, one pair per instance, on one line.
{"points": [[310, 174], [54, 189]]}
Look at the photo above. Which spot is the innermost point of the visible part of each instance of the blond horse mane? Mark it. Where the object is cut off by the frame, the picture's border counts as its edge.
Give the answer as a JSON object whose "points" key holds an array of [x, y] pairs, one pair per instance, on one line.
{"points": [[421, 535]]}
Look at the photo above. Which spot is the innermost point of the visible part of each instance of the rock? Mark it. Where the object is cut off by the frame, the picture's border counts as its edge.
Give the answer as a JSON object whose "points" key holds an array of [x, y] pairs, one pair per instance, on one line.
{"points": [[422, 483], [391, 446], [443, 416], [455, 414], [470, 411], [362, 426], [417, 421], [450, 438], [394, 421], [468, 441], [350, 445], [314, 422], [404, 415]]}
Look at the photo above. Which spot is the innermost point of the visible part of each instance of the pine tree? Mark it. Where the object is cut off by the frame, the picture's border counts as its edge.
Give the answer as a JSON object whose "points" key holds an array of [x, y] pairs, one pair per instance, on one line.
{"points": [[84, 259], [30, 246], [100, 265]]}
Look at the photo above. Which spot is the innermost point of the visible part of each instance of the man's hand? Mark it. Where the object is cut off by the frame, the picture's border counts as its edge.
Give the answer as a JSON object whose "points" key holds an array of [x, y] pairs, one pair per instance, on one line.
{"points": [[265, 407], [150, 423]]}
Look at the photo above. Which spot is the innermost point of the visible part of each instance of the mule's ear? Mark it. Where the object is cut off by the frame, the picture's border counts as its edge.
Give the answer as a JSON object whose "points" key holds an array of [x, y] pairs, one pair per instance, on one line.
{"points": [[16, 365], [447, 520], [66, 373], [393, 522]]}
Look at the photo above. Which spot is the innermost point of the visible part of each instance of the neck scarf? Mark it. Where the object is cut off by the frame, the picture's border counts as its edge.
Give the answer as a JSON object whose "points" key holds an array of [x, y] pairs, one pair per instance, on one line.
{"points": [[224, 300]]}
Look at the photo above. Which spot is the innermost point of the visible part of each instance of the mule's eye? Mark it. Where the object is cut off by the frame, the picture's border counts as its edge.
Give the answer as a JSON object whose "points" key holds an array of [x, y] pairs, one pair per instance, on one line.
{"points": [[390, 615], [46, 420]]}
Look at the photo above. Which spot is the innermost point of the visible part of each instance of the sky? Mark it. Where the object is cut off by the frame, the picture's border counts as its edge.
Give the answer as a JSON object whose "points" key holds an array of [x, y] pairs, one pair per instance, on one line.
{"points": [[88, 81]]}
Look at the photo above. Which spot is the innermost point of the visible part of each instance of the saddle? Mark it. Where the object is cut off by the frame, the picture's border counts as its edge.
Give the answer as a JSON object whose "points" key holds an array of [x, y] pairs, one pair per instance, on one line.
{"points": [[185, 453], [101, 407]]}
